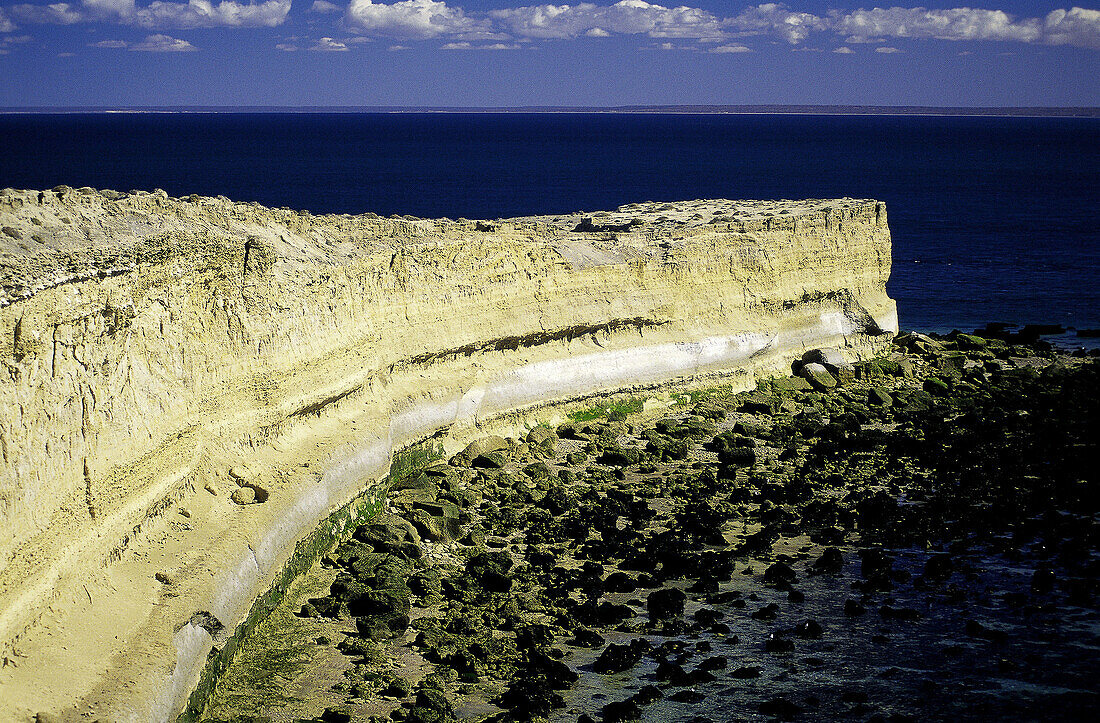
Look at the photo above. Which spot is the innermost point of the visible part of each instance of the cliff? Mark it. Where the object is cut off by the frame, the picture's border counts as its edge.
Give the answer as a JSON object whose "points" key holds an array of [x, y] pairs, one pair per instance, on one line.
{"points": [[152, 344]]}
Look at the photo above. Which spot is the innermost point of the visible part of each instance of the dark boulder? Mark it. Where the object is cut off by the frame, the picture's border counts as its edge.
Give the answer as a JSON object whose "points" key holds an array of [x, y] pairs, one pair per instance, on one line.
{"points": [[666, 603]]}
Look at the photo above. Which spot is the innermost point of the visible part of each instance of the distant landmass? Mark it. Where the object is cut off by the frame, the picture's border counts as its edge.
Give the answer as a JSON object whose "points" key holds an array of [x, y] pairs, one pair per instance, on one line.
{"points": [[1029, 111]]}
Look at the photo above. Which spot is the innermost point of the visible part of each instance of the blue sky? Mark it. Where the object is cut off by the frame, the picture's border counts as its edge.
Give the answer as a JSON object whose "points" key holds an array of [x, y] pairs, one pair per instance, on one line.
{"points": [[514, 53]]}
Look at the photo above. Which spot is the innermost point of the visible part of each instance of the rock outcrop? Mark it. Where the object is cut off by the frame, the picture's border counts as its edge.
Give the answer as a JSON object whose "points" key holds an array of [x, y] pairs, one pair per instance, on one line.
{"points": [[258, 366]]}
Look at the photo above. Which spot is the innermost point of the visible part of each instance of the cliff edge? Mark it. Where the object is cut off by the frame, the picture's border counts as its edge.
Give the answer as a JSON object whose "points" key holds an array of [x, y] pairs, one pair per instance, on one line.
{"points": [[190, 385]]}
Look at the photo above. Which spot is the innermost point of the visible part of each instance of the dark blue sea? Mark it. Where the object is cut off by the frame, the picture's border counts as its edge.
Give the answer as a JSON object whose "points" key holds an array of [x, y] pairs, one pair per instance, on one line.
{"points": [[993, 219]]}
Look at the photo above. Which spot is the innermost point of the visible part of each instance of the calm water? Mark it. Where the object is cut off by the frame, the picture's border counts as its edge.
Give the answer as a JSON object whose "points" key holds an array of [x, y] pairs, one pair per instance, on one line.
{"points": [[994, 219]]}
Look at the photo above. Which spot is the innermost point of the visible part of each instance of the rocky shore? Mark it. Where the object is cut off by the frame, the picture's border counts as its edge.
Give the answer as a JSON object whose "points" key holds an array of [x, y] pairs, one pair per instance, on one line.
{"points": [[913, 537]]}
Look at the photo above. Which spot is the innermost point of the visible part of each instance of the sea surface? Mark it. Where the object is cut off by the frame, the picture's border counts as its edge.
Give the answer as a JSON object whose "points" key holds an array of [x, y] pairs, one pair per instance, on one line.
{"points": [[993, 219]]}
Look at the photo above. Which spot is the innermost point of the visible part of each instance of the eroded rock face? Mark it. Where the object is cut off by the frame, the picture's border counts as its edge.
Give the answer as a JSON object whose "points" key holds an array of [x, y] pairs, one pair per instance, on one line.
{"points": [[153, 346]]}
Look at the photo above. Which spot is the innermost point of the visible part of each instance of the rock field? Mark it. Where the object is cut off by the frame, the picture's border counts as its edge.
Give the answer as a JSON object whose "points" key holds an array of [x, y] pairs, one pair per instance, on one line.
{"points": [[913, 537]]}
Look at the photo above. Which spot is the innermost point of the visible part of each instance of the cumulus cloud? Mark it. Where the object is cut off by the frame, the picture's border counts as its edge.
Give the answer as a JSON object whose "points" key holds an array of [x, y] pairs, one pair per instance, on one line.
{"points": [[56, 14], [730, 49], [451, 24], [329, 45], [1076, 26], [887, 50], [160, 14], [843, 50], [9, 40], [626, 17], [464, 45], [412, 19], [950, 24], [163, 44], [286, 47], [775, 19], [426, 19], [152, 44]]}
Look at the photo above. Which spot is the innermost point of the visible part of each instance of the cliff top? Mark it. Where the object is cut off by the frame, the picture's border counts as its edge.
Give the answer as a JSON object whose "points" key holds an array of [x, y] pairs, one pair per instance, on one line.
{"points": [[48, 238]]}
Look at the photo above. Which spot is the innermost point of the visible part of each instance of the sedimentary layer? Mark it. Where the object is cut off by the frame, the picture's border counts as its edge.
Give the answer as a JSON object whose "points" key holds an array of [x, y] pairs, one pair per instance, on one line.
{"points": [[152, 344]]}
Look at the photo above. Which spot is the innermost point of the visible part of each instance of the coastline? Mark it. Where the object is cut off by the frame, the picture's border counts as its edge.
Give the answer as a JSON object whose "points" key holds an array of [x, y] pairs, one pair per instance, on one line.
{"points": [[790, 553], [899, 111]]}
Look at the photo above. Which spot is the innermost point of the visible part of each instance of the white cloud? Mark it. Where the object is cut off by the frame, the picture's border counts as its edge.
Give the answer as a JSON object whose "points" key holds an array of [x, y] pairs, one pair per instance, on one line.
{"points": [[396, 48], [626, 17], [1076, 26], [464, 45], [56, 14], [204, 14], [948, 24], [160, 14], [450, 24], [329, 45], [775, 19], [163, 44], [887, 50], [286, 47], [436, 19], [109, 44], [9, 40], [411, 19], [730, 49], [842, 50]]}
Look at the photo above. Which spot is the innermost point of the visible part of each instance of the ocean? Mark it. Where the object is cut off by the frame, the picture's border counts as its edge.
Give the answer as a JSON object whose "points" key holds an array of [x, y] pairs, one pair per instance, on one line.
{"points": [[994, 219]]}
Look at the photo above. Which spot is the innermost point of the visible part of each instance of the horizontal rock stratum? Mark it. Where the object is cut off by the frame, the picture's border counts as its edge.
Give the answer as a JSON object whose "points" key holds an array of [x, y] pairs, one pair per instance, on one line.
{"points": [[152, 344]]}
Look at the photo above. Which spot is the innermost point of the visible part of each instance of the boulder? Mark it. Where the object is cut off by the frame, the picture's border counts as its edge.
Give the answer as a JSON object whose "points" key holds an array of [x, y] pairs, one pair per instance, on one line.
{"points": [[243, 495], [916, 342], [435, 528], [617, 658], [420, 481], [951, 363], [791, 384], [478, 448], [818, 376], [385, 529], [541, 435], [969, 342], [666, 603], [490, 460], [879, 397], [758, 403], [824, 357], [833, 361]]}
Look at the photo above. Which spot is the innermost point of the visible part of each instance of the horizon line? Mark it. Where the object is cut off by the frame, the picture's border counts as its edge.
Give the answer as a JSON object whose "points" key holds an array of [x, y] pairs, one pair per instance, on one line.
{"points": [[696, 109]]}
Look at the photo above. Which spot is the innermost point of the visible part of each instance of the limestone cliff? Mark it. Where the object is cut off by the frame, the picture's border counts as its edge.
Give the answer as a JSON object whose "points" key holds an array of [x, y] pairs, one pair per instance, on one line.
{"points": [[150, 344]]}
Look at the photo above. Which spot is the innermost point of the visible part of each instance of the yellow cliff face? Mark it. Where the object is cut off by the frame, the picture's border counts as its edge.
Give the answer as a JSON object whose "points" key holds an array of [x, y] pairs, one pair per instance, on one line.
{"points": [[151, 344]]}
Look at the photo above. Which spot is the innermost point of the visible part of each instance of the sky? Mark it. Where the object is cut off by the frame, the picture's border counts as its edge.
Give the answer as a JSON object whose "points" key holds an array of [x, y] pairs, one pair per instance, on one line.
{"points": [[503, 53]]}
